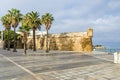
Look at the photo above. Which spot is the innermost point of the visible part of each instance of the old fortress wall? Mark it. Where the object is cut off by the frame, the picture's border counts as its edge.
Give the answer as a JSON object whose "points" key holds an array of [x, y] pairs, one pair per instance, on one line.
{"points": [[78, 41]]}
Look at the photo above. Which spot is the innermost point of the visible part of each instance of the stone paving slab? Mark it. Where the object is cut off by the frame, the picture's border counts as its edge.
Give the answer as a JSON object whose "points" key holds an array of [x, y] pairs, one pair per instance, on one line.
{"points": [[102, 72], [67, 65], [9, 71]]}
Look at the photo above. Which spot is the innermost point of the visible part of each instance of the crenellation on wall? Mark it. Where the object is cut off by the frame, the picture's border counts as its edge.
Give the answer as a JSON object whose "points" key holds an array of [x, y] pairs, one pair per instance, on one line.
{"points": [[75, 34]]}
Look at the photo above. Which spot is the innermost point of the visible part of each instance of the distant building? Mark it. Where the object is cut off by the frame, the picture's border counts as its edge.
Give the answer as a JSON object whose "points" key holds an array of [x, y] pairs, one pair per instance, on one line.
{"points": [[37, 33], [99, 47]]}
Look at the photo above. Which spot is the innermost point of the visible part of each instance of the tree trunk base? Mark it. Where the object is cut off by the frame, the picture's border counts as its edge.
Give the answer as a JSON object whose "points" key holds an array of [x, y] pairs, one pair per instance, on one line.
{"points": [[8, 49], [47, 51], [14, 50]]}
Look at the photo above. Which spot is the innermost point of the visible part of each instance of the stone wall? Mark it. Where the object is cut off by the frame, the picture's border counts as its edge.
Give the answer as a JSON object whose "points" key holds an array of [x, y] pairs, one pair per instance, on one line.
{"points": [[79, 41]]}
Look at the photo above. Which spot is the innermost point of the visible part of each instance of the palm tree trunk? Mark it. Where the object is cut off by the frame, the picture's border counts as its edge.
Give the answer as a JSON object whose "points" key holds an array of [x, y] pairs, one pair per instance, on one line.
{"points": [[8, 40], [25, 42], [25, 47], [34, 42], [47, 42], [4, 42], [14, 50]]}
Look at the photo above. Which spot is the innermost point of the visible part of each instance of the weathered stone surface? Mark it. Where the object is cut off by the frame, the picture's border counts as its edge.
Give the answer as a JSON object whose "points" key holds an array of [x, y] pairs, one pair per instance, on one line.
{"points": [[79, 41]]}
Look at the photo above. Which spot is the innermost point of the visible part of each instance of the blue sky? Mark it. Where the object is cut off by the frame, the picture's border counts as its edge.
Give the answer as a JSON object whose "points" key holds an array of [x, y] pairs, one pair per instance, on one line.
{"points": [[76, 16]]}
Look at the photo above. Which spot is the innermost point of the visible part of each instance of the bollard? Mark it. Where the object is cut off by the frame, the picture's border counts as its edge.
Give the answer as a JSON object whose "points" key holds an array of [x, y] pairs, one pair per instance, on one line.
{"points": [[115, 57], [118, 54]]}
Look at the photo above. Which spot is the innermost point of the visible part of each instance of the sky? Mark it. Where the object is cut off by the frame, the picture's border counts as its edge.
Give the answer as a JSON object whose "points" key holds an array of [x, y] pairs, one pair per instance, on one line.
{"points": [[103, 16]]}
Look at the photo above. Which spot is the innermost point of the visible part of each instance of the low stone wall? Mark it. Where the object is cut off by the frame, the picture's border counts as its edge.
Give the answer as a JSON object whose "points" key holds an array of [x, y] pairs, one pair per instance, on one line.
{"points": [[81, 41]]}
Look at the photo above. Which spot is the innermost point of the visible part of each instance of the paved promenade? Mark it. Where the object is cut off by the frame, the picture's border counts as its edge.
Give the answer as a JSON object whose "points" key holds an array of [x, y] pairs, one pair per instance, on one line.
{"points": [[57, 65]]}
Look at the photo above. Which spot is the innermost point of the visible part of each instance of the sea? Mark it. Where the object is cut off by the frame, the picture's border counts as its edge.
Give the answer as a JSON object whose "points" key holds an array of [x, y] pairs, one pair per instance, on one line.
{"points": [[109, 50]]}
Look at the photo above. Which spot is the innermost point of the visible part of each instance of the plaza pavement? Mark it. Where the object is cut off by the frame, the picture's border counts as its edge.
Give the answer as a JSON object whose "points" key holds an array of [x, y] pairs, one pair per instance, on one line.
{"points": [[57, 65]]}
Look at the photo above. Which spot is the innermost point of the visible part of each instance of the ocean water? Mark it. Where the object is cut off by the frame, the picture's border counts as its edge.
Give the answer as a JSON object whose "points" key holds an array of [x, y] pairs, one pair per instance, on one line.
{"points": [[108, 50]]}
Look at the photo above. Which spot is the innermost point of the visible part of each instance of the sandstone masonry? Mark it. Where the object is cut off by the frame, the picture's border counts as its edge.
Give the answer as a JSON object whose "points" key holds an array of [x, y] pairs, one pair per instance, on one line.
{"points": [[78, 41]]}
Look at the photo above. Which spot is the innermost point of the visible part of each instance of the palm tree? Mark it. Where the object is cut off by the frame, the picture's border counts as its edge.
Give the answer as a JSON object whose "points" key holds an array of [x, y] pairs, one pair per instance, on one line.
{"points": [[7, 23], [33, 22], [16, 17], [25, 30], [47, 20]]}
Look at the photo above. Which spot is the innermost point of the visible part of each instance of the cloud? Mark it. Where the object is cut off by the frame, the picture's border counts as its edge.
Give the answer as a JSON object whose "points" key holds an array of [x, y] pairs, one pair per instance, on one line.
{"points": [[77, 9], [106, 30], [114, 4], [75, 15], [107, 23]]}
